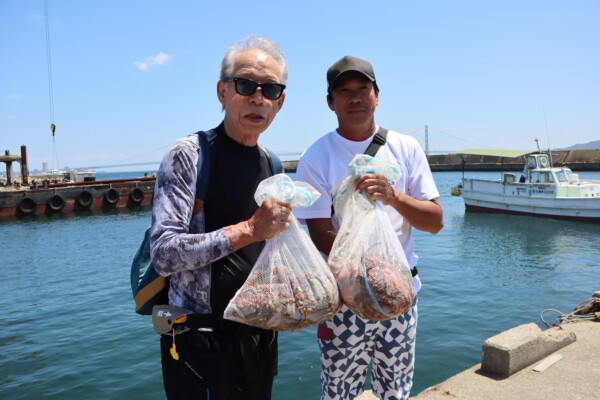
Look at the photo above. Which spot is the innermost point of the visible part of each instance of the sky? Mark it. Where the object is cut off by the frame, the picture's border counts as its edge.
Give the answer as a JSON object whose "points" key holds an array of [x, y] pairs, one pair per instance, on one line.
{"points": [[127, 77]]}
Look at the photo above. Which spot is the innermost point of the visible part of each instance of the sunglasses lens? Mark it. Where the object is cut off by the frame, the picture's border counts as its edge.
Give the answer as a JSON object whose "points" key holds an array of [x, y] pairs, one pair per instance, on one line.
{"points": [[245, 87], [271, 91]]}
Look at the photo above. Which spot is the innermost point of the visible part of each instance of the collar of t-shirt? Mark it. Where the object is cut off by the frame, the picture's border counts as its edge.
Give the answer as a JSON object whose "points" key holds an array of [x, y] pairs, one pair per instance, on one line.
{"points": [[352, 145], [220, 131]]}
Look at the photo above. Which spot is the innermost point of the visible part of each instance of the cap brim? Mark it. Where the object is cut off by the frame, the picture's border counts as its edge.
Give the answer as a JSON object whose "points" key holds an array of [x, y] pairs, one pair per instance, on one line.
{"points": [[345, 72]]}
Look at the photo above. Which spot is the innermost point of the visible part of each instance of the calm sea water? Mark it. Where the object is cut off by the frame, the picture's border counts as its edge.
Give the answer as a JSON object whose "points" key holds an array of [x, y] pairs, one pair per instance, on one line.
{"points": [[69, 330]]}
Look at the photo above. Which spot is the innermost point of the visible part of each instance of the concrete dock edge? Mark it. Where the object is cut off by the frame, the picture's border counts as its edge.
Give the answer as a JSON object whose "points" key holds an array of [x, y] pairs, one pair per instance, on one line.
{"points": [[519, 347], [575, 376]]}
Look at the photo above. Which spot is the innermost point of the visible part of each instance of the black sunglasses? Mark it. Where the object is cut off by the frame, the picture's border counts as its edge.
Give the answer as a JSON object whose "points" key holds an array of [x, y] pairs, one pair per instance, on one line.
{"points": [[247, 87]]}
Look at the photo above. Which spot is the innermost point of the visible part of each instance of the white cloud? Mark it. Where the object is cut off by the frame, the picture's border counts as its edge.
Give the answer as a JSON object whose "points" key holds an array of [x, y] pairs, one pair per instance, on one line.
{"points": [[8, 117], [159, 59], [15, 96]]}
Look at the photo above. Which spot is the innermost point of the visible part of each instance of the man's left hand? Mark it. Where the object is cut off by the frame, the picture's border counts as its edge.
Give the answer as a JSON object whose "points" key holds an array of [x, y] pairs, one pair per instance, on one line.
{"points": [[377, 187]]}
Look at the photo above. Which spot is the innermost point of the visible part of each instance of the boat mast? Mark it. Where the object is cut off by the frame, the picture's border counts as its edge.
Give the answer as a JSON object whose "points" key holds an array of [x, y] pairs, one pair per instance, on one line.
{"points": [[547, 136]]}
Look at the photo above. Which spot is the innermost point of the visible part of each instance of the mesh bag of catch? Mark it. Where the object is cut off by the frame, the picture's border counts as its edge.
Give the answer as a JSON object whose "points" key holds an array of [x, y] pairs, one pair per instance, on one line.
{"points": [[367, 258], [290, 286]]}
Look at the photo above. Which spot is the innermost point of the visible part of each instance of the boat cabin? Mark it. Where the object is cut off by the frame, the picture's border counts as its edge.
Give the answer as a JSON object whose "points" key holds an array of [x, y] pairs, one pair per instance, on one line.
{"points": [[538, 169], [538, 161]]}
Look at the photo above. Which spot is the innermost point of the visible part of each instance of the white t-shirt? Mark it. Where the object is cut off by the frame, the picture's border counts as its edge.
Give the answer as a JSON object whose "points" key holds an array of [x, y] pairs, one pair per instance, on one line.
{"points": [[325, 164]]}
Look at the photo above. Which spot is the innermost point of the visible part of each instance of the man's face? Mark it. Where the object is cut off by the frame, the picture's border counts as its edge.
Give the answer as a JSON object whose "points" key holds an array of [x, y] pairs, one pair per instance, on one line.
{"points": [[353, 99], [246, 117]]}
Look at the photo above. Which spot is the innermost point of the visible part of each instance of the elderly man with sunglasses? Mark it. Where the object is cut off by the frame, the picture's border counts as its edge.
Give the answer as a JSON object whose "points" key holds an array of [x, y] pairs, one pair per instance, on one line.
{"points": [[207, 250], [349, 343]]}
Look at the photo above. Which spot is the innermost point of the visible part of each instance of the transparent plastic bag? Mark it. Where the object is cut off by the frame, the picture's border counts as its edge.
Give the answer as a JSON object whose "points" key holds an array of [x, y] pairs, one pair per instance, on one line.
{"points": [[367, 258], [290, 286]]}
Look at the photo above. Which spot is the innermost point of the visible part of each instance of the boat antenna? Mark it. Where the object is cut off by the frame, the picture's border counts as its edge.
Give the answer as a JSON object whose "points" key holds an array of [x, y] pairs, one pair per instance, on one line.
{"points": [[50, 87], [537, 142], [547, 134]]}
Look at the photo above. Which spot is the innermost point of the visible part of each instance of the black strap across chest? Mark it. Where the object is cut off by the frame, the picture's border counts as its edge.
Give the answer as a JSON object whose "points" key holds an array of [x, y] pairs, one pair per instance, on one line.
{"points": [[378, 140]]}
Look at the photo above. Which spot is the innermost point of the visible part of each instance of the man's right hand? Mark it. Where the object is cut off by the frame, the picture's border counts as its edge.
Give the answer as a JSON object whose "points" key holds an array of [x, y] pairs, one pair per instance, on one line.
{"points": [[271, 218]]}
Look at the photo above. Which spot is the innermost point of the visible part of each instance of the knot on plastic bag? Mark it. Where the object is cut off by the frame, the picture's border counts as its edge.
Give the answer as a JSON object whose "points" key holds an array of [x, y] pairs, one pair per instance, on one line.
{"points": [[282, 188], [364, 164]]}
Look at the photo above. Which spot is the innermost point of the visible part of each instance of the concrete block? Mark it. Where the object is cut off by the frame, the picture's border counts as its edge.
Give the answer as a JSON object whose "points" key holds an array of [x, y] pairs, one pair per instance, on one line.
{"points": [[519, 347]]}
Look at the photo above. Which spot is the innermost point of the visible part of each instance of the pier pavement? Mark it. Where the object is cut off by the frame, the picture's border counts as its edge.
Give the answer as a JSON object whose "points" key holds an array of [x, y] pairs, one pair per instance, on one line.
{"points": [[576, 376]]}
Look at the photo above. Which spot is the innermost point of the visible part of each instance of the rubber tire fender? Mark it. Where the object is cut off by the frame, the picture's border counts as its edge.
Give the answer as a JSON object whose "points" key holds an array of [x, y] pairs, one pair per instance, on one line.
{"points": [[136, 195], [56, 202], [84, 198], [112, 196], [27, 205]]}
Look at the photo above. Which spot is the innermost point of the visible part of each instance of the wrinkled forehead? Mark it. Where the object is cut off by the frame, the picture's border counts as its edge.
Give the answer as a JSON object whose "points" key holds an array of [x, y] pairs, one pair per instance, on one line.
{"points": [[256, 64]]}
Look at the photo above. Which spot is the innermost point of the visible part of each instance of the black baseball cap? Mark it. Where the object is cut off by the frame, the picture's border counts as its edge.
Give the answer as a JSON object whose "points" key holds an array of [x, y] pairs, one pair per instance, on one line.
{"points": [[347, 64]]}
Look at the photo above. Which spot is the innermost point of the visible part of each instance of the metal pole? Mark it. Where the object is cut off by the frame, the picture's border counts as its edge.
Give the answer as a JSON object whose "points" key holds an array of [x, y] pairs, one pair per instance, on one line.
{"points": [[426, 141], [24, 166]]}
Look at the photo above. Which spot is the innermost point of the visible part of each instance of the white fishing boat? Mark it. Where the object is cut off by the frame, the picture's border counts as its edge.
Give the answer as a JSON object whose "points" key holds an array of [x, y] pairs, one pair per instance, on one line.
{"points": [[541, 190]]}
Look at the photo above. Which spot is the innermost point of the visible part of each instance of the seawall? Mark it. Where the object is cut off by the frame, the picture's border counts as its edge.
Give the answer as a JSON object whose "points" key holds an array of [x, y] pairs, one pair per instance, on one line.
{"points": [[576, 160]]}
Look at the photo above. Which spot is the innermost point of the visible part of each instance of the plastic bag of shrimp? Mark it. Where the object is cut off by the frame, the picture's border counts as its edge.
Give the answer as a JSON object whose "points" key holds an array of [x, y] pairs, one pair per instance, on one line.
{"points": [[290, 286], [367, 258]]}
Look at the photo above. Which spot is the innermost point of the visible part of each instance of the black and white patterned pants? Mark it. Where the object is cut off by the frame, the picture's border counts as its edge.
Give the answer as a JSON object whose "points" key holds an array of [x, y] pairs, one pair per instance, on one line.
{"points": [[348, 343]]}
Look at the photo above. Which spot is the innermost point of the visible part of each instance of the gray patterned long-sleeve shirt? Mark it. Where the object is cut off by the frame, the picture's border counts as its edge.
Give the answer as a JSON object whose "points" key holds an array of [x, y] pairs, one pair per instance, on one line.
{"points": [[180, 247]]}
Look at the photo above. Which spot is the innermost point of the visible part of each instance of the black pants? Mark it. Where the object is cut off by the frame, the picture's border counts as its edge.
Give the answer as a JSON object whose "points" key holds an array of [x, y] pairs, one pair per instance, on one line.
{"points": [[237, 362]]}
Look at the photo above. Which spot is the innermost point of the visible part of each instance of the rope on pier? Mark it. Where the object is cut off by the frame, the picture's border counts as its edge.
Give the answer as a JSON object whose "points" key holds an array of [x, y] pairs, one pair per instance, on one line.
{"points": [[587, 310]]}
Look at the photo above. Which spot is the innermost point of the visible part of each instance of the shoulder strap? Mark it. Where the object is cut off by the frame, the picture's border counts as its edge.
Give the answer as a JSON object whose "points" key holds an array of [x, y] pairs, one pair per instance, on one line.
{"points": [[276, 165], [274, 161], [202, 168], [378, 140]]}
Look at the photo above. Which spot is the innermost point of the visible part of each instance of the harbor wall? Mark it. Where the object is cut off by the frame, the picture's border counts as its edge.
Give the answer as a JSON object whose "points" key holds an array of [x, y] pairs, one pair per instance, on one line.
{"points": [[576, 160]]}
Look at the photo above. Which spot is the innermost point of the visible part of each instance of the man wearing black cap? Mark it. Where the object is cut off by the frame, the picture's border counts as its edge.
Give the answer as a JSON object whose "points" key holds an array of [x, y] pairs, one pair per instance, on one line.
{"points": [[349, 343]]}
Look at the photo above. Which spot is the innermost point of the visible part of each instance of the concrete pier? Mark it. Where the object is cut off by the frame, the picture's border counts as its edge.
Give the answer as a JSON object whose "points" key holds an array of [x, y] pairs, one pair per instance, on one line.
{"points": [[569, 373], [574, 376]]}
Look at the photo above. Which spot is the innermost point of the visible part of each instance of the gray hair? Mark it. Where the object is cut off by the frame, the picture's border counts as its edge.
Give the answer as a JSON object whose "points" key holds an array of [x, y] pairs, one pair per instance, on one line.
{"points": [[249, 43]]}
